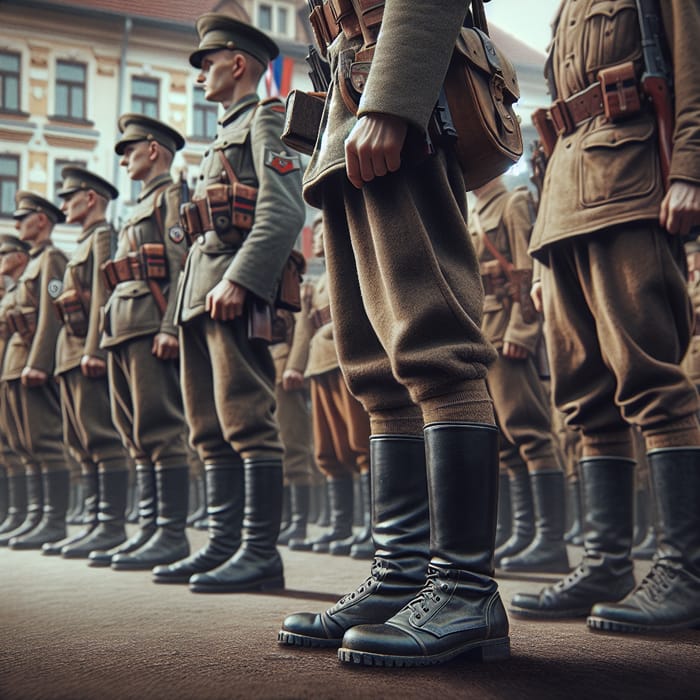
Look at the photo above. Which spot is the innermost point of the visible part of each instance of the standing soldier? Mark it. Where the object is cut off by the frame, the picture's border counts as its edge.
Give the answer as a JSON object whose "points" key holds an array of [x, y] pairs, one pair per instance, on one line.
{"points": [[81, 368], [140, 334], [618, 318], [500, 226], [249, 210], [32, 393], [14, 255]]}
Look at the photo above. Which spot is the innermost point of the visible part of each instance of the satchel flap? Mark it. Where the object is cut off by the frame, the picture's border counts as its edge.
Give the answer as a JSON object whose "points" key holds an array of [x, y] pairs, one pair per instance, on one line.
{"points": [[481, 52]]}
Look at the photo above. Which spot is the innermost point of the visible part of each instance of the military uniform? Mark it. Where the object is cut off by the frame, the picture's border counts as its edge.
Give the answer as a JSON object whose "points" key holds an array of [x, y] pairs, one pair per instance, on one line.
{"points": [[523, 409], [87, 421], [618, 316], [144, 389], [340, 423], [34, 410], [228, 378], [407, 300], [14, 481]]}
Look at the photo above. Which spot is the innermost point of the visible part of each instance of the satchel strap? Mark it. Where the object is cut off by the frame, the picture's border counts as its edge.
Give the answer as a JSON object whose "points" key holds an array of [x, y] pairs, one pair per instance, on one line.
{"points": [[479, 16]]}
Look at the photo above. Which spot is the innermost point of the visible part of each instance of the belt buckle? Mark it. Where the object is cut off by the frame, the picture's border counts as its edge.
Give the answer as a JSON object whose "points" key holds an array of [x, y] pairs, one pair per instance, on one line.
{"points": [[561, 118]]}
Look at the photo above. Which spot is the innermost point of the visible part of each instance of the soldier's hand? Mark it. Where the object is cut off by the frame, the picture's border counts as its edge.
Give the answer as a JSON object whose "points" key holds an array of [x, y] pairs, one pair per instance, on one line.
{"points": [[513, 351], [373, 147], [226, 301], [536, 296], [292, 379], [33, 377], [680, 208], [93, 366], [165, 346]]}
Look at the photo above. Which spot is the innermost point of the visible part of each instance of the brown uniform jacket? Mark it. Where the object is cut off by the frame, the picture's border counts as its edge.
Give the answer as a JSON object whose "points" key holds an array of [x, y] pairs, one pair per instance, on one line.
{"points": [[131, 310], [506, 218], [5, 303], [604, 174], [313, 348], [40, 283], [249, 138], [83, 275]]}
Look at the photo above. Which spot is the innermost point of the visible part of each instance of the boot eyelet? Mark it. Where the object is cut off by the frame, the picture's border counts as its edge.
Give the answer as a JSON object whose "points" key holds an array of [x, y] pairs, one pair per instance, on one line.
{"points": [[417, 616]]}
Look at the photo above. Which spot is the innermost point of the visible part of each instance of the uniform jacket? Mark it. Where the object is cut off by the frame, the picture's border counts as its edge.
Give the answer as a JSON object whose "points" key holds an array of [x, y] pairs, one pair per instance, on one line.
{"points": [[604, 174], [40, 283], [249, 138], [408, 54], [313, 349], [7, 300], [83, 274], [506, 218], [131, 310]]}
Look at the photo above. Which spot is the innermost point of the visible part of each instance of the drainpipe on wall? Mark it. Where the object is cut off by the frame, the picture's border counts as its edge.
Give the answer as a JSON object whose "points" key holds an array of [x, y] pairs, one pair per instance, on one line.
{"points": [[121, 97]]}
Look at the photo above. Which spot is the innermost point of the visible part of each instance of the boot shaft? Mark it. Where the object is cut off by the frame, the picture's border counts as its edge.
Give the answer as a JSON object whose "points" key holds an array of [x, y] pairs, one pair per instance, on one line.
{"points": [[225, 496], [113, 490], [263, 504], [172, 486]]}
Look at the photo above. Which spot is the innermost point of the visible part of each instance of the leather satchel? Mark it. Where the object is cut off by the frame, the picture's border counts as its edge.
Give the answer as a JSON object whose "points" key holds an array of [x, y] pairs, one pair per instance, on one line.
{"points": [[481, 87]]}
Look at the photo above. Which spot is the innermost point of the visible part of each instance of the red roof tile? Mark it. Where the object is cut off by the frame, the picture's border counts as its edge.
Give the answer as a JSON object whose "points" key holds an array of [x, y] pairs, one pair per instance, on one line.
{"points": [[178, 11]]}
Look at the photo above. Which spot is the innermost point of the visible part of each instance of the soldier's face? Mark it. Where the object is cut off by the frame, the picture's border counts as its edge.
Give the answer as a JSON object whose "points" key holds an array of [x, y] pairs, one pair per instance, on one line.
{"points": [[136, 159], [75, 206], [10, 262], [29, 226], [217, 76]]}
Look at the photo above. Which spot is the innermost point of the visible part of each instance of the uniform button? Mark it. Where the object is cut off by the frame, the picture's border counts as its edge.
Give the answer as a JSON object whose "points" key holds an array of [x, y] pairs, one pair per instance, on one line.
{"points": [[201, 240]]}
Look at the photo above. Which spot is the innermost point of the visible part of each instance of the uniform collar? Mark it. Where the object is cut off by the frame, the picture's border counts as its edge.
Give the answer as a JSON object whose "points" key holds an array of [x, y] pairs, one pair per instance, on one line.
{"points": [[154, 184], [87, 232], [38, 249], [237, 108]]}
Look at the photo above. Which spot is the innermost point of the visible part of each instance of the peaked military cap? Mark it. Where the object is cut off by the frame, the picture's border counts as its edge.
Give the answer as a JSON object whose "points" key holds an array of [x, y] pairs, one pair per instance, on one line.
{"points": [[76, 179], [30, 203], [137, 127], [12, 244], [223, 32]]}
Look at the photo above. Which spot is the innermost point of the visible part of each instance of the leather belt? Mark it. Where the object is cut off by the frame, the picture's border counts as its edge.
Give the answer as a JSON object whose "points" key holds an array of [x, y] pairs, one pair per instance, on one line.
{"points": [[320, 317], [570, 113]]}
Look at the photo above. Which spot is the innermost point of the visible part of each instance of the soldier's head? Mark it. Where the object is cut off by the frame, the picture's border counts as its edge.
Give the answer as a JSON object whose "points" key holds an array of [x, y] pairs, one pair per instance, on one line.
{"points": [[14, 255], [85, 195], [147, 146], [232, 57], [35, 217]]}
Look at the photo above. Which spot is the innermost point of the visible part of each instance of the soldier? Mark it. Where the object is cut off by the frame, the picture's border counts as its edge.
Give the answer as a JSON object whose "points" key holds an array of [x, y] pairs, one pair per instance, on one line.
{"points": [[500, 225], [140, 334], [618, 316], [340, 424], [249, 209], [406, 299], [32, 394], [81, 368], [14, 255]]}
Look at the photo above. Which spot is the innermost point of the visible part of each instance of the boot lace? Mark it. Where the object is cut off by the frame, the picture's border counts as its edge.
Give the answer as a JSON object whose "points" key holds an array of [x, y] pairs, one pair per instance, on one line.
{"points": [[431, 594], [658, 582], [376, 574]]}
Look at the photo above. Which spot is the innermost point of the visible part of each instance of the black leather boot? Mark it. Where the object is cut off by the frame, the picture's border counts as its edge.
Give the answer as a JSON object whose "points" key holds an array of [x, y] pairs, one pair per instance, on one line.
{"points": [[364, 536], [547, 551], [400, 529], [299, 495], [340, 500], [169, 542], [574, 535], [147, 509], [505, 514], [458, 610], [111, 517], [605, 573], [641, 516], [4, 494], [646, 549], [668, 598], [198, 499], [52, 526], [522, 514], [225, 493], [256, 565], [34, 494], [88, 517], [17, 503]]}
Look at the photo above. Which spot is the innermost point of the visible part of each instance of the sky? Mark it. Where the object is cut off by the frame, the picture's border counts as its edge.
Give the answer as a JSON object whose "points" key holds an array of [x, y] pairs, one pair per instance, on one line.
{"points": [[528, 20]]}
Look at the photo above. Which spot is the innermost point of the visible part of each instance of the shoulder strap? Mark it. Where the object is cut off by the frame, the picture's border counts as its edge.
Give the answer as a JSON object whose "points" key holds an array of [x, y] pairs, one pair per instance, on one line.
{"points": [[507, 267]]}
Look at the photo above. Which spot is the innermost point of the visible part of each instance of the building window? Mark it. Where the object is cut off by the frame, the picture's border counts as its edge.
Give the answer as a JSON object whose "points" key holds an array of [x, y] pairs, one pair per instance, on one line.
{"points": [[9, 183], [58, 180], [70, 90], [145, 96], [276, 17], [9, 81], [204, 116]]}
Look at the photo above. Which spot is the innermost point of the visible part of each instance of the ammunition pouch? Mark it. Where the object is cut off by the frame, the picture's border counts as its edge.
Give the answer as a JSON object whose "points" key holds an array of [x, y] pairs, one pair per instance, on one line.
{"points": [[320, 317], [519, 285], [72, 313], [334, 16], [620, 91], [194, 219], [289, 289], [149, 263], [23, 323], [302, 120]]}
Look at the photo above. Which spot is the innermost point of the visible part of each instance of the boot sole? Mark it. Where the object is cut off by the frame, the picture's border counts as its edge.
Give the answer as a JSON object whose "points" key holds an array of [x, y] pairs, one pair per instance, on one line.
{"points": [[273, 584], [602, 624], [539, 569], [174, 579], [485, 651], [299, 640], [549, 614]]}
